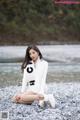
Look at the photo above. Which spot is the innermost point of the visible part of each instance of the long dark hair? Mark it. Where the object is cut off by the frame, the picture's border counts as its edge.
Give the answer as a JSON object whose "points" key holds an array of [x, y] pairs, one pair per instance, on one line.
{"points": [[27, 58]]}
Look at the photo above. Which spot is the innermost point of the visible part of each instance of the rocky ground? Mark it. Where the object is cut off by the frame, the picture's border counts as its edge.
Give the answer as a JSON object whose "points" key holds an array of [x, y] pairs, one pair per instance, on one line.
{"points": [[67, 97]]}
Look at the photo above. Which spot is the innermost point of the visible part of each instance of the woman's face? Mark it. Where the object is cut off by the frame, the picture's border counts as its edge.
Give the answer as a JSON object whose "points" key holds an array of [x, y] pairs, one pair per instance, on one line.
{"points": [[33, 55]]}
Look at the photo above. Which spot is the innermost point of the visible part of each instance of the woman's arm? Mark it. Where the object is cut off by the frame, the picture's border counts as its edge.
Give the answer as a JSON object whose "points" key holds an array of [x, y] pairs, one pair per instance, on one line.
{"points": [[43, 80], [41, 74], [24, 82], [28, 76]]}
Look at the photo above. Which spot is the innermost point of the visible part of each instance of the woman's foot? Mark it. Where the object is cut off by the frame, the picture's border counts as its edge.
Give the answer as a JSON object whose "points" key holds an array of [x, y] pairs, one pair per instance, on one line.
{"points": [[51, 100], [16, 99], [41, 103]]}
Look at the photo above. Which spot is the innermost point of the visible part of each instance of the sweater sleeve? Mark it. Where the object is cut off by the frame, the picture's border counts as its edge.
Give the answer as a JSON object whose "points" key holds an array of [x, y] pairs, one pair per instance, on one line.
{"points": [[24, 82], [41, 76], [43, 79], [28, 75]]}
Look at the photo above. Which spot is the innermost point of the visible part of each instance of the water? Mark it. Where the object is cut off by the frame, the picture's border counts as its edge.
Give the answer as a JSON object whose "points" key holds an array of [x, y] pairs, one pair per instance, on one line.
{"points": [[64, 63], [53, 53]]}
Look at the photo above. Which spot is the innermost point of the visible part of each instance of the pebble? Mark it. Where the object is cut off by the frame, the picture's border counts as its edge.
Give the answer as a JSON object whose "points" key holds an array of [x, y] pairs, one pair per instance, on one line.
{"points": [[67, 97]]}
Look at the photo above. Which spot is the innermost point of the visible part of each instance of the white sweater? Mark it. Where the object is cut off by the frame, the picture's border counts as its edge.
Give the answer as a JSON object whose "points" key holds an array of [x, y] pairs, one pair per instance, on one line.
{"points": [[38, 75]]}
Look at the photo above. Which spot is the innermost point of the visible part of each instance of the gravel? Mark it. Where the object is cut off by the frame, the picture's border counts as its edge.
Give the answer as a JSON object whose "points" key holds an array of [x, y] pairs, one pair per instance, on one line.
{"points": [[67, 97]]}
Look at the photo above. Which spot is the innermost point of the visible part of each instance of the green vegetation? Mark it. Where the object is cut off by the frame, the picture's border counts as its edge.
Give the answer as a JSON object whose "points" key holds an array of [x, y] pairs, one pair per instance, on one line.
{"points": [[22, 21]]}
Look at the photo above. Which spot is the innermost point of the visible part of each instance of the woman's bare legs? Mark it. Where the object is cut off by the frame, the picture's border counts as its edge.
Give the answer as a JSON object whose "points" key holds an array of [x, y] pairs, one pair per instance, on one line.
{"points": [[27, 97]]}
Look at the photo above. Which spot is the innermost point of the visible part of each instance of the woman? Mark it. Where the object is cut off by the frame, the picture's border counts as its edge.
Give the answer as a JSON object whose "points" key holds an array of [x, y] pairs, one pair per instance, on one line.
{"points": [[34, 78]]}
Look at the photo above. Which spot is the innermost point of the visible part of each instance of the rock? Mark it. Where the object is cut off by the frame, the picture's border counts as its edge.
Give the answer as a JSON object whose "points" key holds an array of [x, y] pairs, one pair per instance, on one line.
{"points": [[67, 97]]}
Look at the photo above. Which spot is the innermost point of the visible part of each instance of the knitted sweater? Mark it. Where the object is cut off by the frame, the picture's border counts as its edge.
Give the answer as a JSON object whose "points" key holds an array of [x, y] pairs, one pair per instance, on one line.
{"points": [[34, 77]]}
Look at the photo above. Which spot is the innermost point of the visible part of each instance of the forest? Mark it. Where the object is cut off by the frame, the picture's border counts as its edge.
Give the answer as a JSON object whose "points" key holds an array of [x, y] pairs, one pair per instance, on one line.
{"points": [[38, 21]]}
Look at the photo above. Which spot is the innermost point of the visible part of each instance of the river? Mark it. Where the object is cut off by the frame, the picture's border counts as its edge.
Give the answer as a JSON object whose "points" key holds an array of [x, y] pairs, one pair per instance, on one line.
{"points": [[64, 63]]}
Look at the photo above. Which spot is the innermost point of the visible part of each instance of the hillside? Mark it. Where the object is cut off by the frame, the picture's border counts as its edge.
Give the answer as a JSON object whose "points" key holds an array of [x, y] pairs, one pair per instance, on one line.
{"points": [[42, 22]]}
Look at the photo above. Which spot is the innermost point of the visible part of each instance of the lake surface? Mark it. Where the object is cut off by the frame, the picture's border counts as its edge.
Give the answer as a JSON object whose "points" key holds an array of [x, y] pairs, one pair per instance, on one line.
{"points": [[64, 63]]}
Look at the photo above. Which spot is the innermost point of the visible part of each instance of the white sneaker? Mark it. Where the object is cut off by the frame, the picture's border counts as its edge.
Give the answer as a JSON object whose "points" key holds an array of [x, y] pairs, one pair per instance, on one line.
{"points": [[41, 103], [51, 100]]}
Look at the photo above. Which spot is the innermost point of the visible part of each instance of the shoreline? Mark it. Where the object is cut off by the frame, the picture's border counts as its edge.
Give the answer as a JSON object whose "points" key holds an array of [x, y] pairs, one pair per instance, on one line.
{"points": [[46, 42]]}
